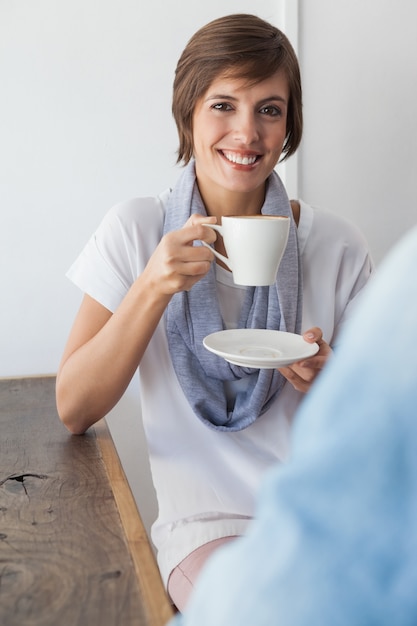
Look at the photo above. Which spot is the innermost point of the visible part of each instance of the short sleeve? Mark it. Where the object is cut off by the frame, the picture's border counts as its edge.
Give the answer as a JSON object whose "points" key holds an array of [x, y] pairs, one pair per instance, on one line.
{"points": [[119, 249]]}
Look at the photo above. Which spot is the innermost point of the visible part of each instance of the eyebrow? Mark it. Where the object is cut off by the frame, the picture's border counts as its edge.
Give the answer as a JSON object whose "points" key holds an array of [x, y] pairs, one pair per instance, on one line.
{"points": [[220, 96]]}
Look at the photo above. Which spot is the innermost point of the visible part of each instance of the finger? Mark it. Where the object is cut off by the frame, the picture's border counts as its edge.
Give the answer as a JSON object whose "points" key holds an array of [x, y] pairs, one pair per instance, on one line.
{"points": [[174, 258], [318, 360], [177, 242], [193, 254], [208, 235], [183, 276], [198, 220], [197, 232], [314, 334], [303, 373], [299, 383]]}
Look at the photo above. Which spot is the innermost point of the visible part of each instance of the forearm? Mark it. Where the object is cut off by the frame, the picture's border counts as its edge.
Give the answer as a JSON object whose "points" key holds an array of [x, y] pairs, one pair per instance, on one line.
{"points": [[94, 376], [104, 350]]}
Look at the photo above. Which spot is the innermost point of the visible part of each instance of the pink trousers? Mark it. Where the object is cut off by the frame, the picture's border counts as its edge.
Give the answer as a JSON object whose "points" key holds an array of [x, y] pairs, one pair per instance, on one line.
{"points": [[182, 579]]}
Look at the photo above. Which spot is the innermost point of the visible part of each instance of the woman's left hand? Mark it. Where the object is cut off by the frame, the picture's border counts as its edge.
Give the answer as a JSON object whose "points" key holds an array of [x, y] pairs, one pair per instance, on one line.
{"points": [[303, 373]]}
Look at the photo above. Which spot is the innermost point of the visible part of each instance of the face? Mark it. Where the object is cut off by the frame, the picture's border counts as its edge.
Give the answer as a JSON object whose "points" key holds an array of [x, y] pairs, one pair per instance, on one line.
{"points": [[238, 133]]}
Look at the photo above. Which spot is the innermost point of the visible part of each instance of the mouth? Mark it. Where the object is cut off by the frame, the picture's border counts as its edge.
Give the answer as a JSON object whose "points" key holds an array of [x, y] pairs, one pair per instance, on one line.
{"points": [[239, 158]]}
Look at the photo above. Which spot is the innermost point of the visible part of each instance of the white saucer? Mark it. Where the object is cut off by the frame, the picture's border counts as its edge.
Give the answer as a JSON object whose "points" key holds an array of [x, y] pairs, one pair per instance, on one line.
{"points": [[258, 348]]}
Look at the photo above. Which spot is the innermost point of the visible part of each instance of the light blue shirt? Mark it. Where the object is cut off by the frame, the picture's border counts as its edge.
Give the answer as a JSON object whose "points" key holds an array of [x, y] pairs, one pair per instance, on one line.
{"points": [[334, 542]]}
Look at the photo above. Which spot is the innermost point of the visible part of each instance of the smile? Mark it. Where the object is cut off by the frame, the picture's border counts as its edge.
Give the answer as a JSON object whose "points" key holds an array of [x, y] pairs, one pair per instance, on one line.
{"points": [[240, 159]]}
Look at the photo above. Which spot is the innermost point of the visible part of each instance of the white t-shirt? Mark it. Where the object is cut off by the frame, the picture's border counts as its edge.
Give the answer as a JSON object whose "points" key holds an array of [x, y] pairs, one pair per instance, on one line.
{"points": [[206, 480]]}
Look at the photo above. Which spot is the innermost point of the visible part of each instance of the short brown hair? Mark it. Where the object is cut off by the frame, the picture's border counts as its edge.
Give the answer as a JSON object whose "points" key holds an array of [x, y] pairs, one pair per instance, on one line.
{"points": [[248, 47]]}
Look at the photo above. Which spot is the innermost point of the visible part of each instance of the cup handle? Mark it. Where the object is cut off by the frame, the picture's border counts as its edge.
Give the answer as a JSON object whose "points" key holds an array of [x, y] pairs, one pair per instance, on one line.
{"points": [[223, 258]]}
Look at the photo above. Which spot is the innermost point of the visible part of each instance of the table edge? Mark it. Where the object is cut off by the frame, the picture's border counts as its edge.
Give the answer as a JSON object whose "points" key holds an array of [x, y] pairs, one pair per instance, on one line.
{"points": [[157, 605]]}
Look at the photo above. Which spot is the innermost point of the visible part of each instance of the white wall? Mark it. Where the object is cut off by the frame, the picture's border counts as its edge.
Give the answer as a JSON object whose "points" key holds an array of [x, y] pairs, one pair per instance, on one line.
{"points": [[359, 152], [85, 121]]}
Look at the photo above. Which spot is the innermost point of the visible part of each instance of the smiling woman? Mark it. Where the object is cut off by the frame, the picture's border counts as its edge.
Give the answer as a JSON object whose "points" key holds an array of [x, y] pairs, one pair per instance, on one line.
{"points": [[238, 135], [248, 49], [153, 293]]}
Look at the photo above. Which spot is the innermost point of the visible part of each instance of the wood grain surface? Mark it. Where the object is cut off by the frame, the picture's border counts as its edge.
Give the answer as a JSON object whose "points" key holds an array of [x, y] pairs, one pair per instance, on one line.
{"points": [[65, 556]]}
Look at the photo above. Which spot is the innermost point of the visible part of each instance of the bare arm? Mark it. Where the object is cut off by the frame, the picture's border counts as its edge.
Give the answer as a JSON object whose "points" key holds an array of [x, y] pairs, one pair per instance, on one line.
{"points": [[104, 349]]}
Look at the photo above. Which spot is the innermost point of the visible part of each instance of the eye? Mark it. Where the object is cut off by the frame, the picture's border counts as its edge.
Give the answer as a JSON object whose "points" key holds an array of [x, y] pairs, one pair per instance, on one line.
{"points": [[271, 110], [222, 106]]}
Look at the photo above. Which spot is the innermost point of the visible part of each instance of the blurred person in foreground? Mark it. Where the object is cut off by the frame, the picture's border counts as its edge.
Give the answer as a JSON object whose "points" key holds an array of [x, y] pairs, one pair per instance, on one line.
{"points": [[334, 541]]}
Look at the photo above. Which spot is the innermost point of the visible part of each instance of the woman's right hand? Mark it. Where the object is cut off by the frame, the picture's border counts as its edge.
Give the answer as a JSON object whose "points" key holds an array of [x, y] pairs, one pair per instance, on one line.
{"points": [[177, 264]]}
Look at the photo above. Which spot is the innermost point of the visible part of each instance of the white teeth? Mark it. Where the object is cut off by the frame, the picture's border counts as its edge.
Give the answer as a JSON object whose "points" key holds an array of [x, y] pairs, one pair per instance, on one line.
{"points": [[237, 158]]}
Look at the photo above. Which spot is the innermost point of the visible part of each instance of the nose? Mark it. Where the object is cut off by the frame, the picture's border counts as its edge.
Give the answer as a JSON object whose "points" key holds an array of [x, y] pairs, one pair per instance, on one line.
{"points": [[246, 129]]}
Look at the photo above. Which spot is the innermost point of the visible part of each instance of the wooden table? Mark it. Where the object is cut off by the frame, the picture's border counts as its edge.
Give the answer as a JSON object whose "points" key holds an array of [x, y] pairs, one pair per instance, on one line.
{"points": [[73, 549]]}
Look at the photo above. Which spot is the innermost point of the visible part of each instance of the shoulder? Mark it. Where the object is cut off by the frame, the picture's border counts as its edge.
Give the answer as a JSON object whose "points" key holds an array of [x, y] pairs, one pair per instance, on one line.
{"points": [[318, 226], [141, 210], [135, 220]]}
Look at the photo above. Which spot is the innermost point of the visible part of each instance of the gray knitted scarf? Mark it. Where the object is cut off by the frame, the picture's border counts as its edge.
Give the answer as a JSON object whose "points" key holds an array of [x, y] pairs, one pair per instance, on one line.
{"points": [[190, 316]]}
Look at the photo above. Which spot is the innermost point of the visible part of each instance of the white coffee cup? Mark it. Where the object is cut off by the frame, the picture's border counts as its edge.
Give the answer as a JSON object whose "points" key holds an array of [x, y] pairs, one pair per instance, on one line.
{"points": [[254, 245]]}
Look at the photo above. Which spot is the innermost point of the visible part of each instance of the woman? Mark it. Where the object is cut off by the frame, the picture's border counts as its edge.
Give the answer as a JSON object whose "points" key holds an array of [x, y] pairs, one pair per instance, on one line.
{"points": [[152, 290]]}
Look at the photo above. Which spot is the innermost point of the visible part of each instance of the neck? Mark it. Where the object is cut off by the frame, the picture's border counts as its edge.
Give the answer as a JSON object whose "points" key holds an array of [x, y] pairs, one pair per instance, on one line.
{"points": [[220, 201]]}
